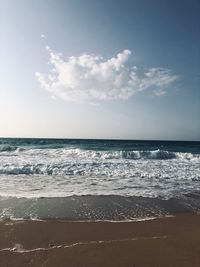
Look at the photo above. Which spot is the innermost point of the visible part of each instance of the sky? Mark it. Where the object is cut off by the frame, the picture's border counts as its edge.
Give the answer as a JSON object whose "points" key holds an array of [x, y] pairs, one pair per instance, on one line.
{"points": [[108, 69]]}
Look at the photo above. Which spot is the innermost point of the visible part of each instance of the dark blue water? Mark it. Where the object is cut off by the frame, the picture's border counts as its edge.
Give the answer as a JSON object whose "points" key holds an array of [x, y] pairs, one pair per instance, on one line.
{"points": [[97, 144]]}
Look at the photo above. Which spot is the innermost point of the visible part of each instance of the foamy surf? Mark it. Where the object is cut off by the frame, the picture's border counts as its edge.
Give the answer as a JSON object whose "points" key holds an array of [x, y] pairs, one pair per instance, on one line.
{"points": [[31, 169], [59, 168]]}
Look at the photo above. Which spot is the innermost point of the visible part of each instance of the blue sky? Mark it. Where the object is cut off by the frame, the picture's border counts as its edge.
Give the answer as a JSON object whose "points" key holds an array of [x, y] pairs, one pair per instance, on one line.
{"points": [[100, 69]]}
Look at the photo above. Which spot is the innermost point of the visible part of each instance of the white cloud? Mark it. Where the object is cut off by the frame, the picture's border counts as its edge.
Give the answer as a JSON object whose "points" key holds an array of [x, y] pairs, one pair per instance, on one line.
{"points": [[91, 78]]}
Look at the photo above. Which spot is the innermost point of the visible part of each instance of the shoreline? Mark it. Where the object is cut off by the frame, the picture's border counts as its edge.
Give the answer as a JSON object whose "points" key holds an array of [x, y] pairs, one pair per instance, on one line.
{"points": [[98, 208], [73, 220], [167, 241]]}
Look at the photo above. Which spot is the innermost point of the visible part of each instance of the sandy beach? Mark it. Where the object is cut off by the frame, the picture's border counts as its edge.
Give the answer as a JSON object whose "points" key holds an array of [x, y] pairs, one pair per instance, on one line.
{"points": [[169, 241]]}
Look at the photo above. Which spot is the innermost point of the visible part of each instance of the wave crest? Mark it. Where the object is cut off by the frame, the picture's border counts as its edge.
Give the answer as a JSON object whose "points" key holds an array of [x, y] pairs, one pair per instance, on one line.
{"points": [[155, 154], [125, 154], [7, 148], [86, 162]]}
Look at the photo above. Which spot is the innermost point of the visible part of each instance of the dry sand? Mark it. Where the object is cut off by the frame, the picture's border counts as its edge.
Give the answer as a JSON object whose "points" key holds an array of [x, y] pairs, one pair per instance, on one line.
{"points": [[169, 242]]}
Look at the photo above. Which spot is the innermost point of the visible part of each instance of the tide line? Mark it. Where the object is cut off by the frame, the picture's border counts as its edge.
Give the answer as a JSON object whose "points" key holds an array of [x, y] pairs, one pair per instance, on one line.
{"points": [[18, 248]]}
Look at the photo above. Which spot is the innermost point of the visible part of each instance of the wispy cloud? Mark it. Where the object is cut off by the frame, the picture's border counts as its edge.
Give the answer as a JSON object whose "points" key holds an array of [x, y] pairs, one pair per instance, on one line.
{"points": [[92, 78]]}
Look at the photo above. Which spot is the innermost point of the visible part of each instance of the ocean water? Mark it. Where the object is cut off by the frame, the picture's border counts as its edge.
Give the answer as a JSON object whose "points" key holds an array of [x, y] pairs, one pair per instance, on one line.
{"points": [[56, 169]]}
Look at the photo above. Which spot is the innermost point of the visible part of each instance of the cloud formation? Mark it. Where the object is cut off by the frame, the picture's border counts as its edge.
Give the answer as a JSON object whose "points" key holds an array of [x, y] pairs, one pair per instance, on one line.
{"points": [[92, 78]]}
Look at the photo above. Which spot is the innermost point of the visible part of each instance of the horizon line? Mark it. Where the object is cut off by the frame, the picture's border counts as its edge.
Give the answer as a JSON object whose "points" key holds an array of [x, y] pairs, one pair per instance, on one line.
{"points": [[101, 139]]}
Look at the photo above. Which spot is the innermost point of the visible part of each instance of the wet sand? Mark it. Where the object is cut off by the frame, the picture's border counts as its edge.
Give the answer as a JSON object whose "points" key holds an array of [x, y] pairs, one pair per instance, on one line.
{"points": [[173, 241]]}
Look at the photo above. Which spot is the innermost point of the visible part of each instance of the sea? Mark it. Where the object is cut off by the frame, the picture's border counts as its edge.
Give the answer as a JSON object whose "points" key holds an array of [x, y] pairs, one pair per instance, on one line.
{"points": [[89, 179]]}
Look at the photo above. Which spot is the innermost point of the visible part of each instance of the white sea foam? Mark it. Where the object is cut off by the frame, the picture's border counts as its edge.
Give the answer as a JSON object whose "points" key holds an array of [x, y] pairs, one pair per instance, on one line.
{"points": [[37, 172]]}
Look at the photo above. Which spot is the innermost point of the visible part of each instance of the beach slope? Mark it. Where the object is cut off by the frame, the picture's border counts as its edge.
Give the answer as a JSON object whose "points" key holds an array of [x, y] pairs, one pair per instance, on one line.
{"points": [[172, 241]]}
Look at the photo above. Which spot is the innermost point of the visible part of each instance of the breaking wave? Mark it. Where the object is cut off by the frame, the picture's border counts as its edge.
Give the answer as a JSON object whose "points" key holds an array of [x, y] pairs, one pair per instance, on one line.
{"points": [[156, 154], [37, 168], [109, 154], [84, 162], [7, 148]]}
